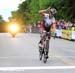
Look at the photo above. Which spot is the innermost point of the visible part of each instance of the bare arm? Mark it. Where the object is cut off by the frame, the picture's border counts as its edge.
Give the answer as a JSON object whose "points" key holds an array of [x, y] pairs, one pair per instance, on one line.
{"points": [[44, 11]]}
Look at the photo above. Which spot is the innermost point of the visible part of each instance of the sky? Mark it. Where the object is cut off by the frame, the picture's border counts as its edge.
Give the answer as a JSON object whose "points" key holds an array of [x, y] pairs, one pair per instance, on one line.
{"points": [[6, 6]]}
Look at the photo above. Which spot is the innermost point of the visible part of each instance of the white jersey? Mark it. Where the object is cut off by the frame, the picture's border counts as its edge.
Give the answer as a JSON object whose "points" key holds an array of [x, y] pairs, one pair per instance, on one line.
{"points": [[48, 21]]}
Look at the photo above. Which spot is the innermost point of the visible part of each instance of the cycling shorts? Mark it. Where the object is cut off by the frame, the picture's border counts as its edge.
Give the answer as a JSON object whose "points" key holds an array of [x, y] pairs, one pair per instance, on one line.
{"points": [[47, 28]]}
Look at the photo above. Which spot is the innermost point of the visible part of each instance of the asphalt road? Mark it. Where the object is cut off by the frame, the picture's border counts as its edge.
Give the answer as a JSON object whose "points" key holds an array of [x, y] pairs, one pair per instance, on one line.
{"points": [[22, 51]]}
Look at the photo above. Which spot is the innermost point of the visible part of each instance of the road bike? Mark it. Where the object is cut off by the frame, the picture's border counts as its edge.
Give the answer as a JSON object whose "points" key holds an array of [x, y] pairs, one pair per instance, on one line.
{"points": [[44, 48]]}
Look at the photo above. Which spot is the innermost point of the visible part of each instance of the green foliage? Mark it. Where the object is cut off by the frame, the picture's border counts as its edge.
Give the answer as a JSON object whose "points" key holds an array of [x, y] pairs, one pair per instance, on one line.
{"points": [[1, 20], [28, 11], [2, 24]]}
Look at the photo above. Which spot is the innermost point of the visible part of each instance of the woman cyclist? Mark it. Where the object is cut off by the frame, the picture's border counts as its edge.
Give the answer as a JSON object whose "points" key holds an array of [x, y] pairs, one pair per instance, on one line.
{"points": [[47, 22]]}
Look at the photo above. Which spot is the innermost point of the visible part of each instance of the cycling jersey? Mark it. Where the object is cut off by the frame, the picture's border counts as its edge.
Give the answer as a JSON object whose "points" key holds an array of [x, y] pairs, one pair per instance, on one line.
{"points": [[48, 21]]}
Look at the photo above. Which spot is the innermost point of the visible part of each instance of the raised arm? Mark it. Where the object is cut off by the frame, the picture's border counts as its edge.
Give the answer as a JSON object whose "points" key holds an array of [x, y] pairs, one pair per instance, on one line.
{"points": [[44, 11]]}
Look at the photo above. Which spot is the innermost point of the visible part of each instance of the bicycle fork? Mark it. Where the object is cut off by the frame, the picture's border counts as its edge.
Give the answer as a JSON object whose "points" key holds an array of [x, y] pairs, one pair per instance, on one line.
{"points": [[46, 49]]}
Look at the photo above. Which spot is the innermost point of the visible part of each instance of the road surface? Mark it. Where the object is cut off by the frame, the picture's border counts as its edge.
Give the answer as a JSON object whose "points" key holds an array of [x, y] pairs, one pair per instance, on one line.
{"points": [[22, 51]]}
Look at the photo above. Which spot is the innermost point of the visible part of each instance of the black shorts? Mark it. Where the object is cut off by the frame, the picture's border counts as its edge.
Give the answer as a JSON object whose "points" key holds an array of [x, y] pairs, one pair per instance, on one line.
{"points": [[47, 29]]}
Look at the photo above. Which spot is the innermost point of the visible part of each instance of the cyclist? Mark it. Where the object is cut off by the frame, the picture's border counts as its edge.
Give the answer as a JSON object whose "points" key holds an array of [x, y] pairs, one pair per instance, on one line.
{"points": [[47, 22]]}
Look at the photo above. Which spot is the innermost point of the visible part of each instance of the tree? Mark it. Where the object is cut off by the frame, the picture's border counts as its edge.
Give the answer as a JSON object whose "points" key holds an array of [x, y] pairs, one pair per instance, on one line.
{"points": [[1, 20], [2, 24], [28, 10]]}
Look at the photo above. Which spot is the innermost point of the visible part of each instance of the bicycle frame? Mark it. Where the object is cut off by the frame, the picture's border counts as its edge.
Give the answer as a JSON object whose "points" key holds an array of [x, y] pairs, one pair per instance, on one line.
{"points": [[46, 46]]}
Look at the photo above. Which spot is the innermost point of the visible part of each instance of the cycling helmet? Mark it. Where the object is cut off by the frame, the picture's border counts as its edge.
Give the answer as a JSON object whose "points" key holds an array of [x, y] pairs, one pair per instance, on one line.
{"points": [[53, 11]]}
